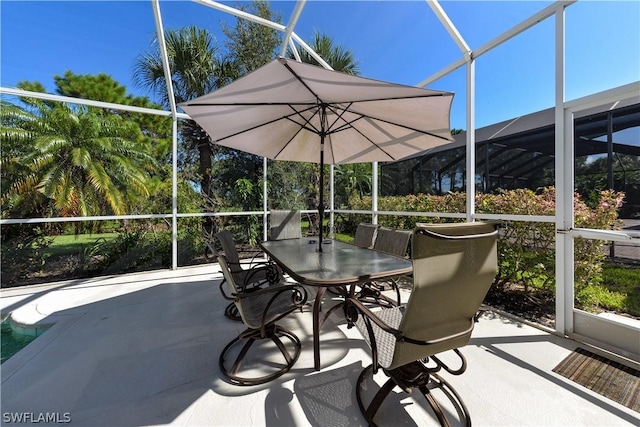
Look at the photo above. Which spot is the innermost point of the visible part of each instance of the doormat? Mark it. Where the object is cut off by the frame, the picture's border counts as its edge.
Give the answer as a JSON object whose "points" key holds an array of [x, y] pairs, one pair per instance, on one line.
{"points": [[606, 377]]}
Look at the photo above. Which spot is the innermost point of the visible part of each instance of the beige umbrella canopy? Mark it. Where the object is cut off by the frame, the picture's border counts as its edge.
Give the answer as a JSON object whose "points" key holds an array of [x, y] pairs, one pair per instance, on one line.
{"points": [[288, 110]]}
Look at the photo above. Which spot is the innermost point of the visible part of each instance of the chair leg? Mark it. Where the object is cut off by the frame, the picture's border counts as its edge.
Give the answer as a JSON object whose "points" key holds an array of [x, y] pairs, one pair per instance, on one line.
{"points": [[425, 382], [232, 312], [275, 333], [370, 411], [397, 288], [436, 381]]}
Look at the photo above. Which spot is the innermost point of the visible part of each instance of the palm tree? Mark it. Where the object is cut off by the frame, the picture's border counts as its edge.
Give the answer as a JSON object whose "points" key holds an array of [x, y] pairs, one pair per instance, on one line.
{"points": [[195, 71], [336, 56], [83, 162], [353, 179]]}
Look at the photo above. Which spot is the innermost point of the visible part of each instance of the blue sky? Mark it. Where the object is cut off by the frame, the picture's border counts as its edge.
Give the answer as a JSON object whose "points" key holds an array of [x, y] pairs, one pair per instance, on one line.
{"points": [[396, 41]]}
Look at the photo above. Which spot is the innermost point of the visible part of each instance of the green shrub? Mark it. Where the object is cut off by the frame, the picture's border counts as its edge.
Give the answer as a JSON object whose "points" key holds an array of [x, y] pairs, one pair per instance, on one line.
{"points": [[526, 249], [24, 250], [592, 297]]}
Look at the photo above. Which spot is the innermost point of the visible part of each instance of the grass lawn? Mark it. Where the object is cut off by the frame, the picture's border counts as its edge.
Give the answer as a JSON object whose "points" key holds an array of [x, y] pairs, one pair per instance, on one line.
{"points": [[76, 244], [622, 285], [338, 236]]}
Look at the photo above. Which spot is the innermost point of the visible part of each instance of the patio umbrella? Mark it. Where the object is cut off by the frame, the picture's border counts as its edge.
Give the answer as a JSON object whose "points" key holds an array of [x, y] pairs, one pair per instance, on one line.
{"points": [[288, 110]]}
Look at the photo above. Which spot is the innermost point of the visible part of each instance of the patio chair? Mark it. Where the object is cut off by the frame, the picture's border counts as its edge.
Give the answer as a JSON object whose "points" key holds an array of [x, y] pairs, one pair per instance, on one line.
{"points": [[364, 238], [365, 235], [453, 268], [249, 276], [394, 242], [259, 311], [285, 225]]}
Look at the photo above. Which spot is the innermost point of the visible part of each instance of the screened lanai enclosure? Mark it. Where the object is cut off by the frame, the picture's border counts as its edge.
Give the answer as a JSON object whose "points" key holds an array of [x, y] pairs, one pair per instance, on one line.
{"points": [[155, 199], [520, 153]]}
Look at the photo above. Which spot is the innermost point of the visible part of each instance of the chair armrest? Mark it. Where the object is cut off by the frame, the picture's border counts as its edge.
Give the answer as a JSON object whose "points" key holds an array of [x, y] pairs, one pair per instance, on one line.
{"points": [[279, 288], [265, 273], [222, 291], [260, 274], [398, 334], [353, 307], [295, 296]]}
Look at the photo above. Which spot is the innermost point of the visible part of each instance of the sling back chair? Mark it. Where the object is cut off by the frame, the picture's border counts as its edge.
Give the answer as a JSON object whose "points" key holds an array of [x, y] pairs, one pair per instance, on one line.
{"points": [[285, 225], [259, 311], [453, 268], [365, 235], [248, 276], [394, 242]]}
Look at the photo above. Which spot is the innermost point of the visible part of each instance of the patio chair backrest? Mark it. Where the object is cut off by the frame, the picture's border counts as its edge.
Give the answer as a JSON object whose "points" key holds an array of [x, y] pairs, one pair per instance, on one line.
{"points": [[230, 252], [365, 235], [234, 287], [394, 242], [453, 267], [257, 309], [285, 225]]}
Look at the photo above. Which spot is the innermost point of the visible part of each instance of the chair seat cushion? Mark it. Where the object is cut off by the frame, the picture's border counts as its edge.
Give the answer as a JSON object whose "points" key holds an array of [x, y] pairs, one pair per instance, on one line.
{"points": [[253, 308]]}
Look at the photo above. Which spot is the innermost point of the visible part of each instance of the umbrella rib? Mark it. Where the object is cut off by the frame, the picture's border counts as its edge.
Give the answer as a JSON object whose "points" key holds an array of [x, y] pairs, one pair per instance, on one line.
{"points": [[307, 121], [348, 124], [302, 82], [245, 104], [288, 142], [339, 128], [288, 117]]}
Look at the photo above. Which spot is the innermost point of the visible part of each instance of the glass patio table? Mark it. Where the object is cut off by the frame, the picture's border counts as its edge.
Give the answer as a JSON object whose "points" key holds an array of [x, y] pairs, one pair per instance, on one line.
{"points": [[338, 265]]}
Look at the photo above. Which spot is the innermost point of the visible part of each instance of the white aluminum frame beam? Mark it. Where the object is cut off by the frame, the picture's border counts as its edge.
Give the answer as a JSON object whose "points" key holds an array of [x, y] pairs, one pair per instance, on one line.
{"points": [[174, 132], [293, 20], [532, 21], [257, 19], [564, 188], [241, 14], [469, 59], [448, 25], [88, 102], [507, 35]]}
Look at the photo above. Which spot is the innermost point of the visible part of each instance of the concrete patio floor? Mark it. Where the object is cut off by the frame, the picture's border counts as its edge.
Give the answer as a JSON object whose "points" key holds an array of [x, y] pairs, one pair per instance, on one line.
{"points": [[138, 350]]}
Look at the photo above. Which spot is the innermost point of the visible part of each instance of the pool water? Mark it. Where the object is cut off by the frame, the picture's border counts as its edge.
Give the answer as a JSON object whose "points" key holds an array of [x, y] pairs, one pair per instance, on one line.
{"points": [[12, 342]]}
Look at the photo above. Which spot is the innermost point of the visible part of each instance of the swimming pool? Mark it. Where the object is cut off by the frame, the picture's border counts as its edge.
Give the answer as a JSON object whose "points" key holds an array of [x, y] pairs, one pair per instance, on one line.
{"points": [[12, 341]]}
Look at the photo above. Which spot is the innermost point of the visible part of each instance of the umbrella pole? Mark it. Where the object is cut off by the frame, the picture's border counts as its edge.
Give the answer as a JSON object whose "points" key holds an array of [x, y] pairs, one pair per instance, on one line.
{"points": [[321, 201], [323, 127]]}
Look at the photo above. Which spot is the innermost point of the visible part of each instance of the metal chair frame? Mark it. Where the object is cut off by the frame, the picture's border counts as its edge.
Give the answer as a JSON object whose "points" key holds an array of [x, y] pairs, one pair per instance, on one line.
{"points": [[247, 275], [259, 311], [394, 242], [411, 362]]}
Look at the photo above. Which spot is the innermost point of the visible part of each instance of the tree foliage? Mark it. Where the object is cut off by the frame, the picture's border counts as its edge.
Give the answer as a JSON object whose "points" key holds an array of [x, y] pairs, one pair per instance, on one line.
{"points": [[251, 45], [81, 162], [155, 131], [195, 71], [339, 58]]}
